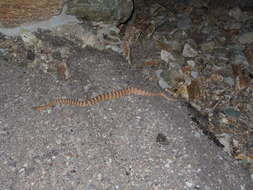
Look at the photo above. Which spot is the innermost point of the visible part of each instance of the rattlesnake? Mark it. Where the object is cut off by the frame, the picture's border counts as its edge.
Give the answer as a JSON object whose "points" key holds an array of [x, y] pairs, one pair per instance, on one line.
{"points": [[102, 98]]}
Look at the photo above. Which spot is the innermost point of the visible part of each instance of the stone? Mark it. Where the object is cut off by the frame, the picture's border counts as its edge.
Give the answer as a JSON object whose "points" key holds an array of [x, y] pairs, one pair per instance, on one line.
{"points": [[188, 51], [246, 38], [108, 11]]}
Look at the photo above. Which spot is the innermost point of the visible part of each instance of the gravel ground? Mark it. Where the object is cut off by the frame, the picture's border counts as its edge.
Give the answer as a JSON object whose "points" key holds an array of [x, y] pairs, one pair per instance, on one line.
{"points": [[111, 145]]}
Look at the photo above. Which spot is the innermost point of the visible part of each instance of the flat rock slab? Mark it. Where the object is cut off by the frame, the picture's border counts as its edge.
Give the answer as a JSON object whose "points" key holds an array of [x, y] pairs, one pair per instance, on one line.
{"points": [[111, 145]]}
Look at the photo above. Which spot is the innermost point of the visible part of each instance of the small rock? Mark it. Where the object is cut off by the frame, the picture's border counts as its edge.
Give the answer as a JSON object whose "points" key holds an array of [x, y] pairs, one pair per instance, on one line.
{"points": [[191, 63], [189, 184], [29, 38], [238, 57], [208, 46], [172, 77], [184, 22], [232, 112], [167, 56], [188, 51], [210, 32], [162, 139], [162, 83], [225, 139], [194, 74], [247, 26], [246, 38], [236, 13], [229, 81]]}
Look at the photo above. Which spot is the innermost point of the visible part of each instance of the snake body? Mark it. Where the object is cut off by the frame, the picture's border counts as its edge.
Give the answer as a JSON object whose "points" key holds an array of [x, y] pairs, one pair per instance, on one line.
{"points": [[101, 98]]}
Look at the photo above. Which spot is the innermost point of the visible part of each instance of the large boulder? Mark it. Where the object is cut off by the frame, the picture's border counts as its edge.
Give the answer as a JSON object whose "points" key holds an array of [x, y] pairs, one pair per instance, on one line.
{"points": [[131, 143], [109, 11]]}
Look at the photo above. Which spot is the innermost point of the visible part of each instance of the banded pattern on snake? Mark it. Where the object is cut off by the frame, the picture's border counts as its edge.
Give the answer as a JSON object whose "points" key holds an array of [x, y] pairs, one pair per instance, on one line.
{"points": [[101, 98]]}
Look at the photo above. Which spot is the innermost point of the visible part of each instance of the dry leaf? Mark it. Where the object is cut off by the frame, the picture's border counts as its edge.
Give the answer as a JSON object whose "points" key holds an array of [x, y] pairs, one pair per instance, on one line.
{"points": [[193, 90], [244, 157], [183, 92], [62, 71], [164, 46], [249, 53], [216, 77], [151, 63]]}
